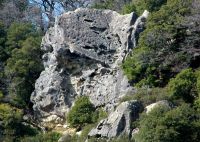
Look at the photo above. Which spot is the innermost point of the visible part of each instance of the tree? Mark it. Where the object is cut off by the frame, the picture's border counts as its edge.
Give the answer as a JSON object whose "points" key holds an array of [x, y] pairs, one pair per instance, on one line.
{"points": [[167, 45], [10, 118], [3, 56], [52, 8], [115, 5], [82, 112], [23, 68], [164, 125], [150, 5], [16, 34], [12, 11], [183, 85]]}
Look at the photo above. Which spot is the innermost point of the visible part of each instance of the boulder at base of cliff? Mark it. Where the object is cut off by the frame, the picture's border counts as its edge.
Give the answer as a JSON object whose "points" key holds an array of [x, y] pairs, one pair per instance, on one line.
{"points": [[118, 122], [150, 107]]}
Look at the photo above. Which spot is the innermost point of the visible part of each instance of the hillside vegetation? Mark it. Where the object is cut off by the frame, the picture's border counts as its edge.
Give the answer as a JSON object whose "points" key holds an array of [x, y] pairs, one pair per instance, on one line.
{"points": [[167, 59]]}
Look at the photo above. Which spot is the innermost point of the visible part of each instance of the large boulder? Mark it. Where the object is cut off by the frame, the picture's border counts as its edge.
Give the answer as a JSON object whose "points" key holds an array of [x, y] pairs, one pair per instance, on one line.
{"points": [[163, 103], [118, 122], [83, 54]]}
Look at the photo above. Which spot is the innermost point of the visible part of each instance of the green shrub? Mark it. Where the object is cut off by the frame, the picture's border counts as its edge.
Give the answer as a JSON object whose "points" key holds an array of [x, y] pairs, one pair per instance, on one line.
{"points": [[47, 137], [108, 4], [128, 8], [162, 49], [100, 114], [139, 6], [3, 55], [148, 123], [97, 116], [197, 101], [9, 115], [150, 5], [164, 125], [23, 68], [198, 81], [11, 123], [81, 113], [1, 94], [16, 34], [182, 86]]}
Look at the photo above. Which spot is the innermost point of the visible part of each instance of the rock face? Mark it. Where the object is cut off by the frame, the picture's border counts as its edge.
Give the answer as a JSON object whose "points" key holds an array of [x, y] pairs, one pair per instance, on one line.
{"points": [[150, 107], [83, 53], [118, 122]]}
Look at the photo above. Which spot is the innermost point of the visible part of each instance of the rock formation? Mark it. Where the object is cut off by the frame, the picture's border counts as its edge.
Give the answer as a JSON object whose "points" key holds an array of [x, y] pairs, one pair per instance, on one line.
{"points": [[83, 54], [118, 122], [164, 103]]}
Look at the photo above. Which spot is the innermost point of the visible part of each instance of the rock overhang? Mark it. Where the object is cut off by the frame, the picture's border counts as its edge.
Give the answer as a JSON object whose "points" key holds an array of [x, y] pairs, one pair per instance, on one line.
{"points": [[83, 54]]}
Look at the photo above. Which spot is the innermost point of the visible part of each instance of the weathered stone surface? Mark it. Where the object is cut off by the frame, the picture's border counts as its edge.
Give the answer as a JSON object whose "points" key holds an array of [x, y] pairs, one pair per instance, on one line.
{"points": [[83, 53], [150, 107], [118, 122]]}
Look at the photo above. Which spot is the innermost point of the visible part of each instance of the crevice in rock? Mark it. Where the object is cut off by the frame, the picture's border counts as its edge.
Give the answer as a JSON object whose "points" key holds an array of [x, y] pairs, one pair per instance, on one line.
{"points": [[48, 108], [103, 47], [118, 38], [88, 20], [98, 29], [121, 125]]}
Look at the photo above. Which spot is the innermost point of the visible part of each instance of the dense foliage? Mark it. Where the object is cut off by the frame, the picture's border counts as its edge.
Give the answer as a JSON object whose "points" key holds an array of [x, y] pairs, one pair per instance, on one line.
{"points": [[164, 125], [167, 46], [183, 86], [20, 66], [139, 6], [47, 137], [82, 112], [11, 127], [23, 68], [116, 5], [167, 57], [20, 63]]}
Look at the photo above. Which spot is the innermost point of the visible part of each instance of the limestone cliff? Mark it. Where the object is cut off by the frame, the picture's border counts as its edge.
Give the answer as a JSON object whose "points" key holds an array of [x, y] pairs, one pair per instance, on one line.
{"points": [[83, 54]]}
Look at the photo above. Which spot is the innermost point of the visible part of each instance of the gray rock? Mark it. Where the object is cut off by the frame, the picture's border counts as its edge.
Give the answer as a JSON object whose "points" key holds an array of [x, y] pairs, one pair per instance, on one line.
{"points": [[83, 54], [150, 107], [118, 122]]}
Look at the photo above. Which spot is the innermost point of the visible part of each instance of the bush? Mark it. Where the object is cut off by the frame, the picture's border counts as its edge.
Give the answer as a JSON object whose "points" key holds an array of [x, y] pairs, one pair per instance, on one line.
{"points": [[197, 101], [182, 86], [16, 34], [11, 123], [81, 113], [108, 4], [164, 125], [115, 5], [99, 115], [198, 81], [23, 68], [162, 49], [9, 115], [3, 55], [139, 6], [150, 5], [47, 137], [1, 95], [128, 8]]}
